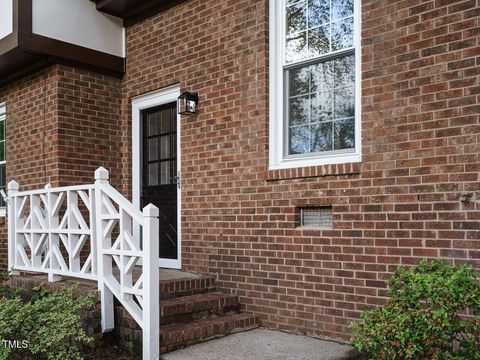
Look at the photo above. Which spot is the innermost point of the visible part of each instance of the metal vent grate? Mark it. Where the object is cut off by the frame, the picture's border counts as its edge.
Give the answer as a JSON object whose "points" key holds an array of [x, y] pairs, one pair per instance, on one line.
{"points": [[320, 216]]}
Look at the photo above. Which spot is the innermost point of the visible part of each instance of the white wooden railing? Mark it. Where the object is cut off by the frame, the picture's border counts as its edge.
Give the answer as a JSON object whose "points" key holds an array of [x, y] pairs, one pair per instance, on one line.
{"points": [[91, 232]]}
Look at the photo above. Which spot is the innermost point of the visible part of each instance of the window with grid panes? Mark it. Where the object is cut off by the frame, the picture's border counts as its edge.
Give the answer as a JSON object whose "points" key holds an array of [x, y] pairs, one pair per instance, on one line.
{"points": [[314, 116]]}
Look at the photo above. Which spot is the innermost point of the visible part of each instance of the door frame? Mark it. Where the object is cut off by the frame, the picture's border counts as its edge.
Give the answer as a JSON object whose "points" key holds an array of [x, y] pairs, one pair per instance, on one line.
{"points": [[139, 103]]}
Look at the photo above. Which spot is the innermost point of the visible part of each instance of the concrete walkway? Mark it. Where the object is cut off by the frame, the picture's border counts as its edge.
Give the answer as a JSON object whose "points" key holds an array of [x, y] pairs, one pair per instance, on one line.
{"points": [[262, 344]]}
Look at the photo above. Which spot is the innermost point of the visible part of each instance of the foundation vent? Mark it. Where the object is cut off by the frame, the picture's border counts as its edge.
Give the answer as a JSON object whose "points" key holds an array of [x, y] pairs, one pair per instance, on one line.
{"points": [[319, 216]]}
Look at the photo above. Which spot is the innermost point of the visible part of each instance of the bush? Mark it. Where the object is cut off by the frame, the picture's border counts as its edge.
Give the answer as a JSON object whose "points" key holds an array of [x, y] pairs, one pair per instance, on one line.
{"points": [[46, 327], [425, 316]]}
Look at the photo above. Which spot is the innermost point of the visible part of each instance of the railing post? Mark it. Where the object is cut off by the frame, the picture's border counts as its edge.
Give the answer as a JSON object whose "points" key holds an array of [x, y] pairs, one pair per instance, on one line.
{"points": [[12, 189], [104, 263], [53, 240], [151, 295]]}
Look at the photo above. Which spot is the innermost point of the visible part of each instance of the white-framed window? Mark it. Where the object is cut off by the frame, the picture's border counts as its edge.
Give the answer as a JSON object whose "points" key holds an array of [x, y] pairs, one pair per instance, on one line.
{"points": [[315, 83], [3, 182]]}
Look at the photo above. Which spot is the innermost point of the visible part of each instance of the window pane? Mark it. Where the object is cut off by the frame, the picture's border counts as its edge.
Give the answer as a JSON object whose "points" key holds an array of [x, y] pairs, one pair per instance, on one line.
{"points": [[300, 140], [341, 9], [317, 27], [296, 18], [299, 81], [166, 121], [2, 130], [153, 174], [165, 147], [320, 96], [318, 12], [342, 34], [322, 107], [2, 150], [322, 137], [153, 123], [153, 149], [323, 76], [319, 41], [165, 173], [296, 48], [299, 110], [344, 134], [345, 71], [344, 103]]}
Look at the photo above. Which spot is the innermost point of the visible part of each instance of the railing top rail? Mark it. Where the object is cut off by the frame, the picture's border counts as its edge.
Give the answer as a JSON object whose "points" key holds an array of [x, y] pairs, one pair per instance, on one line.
{"points": [[55, 190], [124, 203]]}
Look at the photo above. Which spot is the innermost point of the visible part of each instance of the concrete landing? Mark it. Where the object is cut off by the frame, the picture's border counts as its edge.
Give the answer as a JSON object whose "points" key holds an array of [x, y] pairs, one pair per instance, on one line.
{"points": [[169, 274], [263, 344]]}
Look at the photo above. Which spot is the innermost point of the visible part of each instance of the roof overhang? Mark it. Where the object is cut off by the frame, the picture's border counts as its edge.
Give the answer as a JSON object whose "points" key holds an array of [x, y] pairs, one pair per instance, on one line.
{"points": [[134, 11], [22, 51]]}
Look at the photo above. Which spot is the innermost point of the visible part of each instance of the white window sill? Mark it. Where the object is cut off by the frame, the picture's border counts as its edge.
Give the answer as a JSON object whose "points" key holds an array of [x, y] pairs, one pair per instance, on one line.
{"points": [[292, 163], [3, 212], [313, 228]]}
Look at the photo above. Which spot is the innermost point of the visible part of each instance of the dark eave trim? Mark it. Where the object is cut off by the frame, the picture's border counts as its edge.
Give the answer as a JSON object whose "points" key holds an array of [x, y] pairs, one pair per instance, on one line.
{"points": [[134, 11], [149, 9], [26, 71], [103, 6], [96, 59]]}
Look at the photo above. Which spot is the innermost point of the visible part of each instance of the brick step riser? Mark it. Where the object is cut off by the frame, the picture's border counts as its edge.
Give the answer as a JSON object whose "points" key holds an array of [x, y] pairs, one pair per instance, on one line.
{"points": [[184, 318], [177, 288], [196, 303], [174, 340], [190, 317]]}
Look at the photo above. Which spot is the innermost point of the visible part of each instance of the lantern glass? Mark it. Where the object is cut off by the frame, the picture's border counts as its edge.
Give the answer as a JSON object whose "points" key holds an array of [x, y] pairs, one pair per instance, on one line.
{"points": [[187, 103]]}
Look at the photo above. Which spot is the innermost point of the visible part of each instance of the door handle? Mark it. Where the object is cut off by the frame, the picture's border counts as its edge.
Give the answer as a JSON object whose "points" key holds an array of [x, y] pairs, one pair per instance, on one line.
{"points": [[177, 180]]}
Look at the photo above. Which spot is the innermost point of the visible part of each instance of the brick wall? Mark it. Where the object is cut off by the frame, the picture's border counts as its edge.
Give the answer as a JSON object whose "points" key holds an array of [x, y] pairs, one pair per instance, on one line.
{"points": [[89, 107], [420, 144], [30, 135], [62, 123]]}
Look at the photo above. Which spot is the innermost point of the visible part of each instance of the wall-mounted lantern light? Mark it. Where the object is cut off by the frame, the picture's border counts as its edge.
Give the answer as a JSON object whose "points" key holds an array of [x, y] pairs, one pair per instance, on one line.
{"points": [[187, 103]]}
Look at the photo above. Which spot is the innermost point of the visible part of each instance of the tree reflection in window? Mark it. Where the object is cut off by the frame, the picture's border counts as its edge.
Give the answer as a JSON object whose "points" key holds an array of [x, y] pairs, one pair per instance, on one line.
{"points": [[321, 106]]}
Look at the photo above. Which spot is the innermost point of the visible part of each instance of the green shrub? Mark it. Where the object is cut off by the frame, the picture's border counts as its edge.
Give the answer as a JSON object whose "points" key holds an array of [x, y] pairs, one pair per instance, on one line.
{"points": [[424, 317], [50, 324]]}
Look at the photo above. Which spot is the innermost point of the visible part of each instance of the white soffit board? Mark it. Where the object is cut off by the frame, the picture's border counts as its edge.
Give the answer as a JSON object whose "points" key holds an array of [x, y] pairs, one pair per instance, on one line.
{"points": [[78, 22], [6, 18]]}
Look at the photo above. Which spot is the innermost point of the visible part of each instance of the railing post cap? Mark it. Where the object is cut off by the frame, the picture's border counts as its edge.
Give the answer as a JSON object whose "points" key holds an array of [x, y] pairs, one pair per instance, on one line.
{"points": [[150, 210], [101, 173], [48, 186], [13, 185]]}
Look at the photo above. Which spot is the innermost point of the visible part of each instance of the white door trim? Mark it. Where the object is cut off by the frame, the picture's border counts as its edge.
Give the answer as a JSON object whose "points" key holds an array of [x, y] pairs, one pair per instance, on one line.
{"points": [[146, 101]]}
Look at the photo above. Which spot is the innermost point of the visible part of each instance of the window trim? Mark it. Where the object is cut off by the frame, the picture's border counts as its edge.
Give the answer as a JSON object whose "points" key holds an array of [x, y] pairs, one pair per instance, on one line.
{"points": [[3, 117], [278, 159]]}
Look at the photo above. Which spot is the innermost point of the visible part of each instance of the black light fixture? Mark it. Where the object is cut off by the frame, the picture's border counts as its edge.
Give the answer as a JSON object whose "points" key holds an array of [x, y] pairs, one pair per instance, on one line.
{"points": [[187, 103]]}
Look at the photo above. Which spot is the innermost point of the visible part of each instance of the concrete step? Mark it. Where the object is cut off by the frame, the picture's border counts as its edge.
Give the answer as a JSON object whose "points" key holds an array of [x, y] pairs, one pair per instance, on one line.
{"points": [[177, 336], [200, 306], [172, 288]]}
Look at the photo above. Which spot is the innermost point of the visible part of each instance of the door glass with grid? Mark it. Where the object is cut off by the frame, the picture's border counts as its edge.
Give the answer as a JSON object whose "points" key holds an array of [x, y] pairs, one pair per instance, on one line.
{"points": [[159, 180]]}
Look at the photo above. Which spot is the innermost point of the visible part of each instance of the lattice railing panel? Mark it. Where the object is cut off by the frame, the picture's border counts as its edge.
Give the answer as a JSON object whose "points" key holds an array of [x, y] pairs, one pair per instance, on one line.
{"points": [[53, 232], [91, 232]]}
